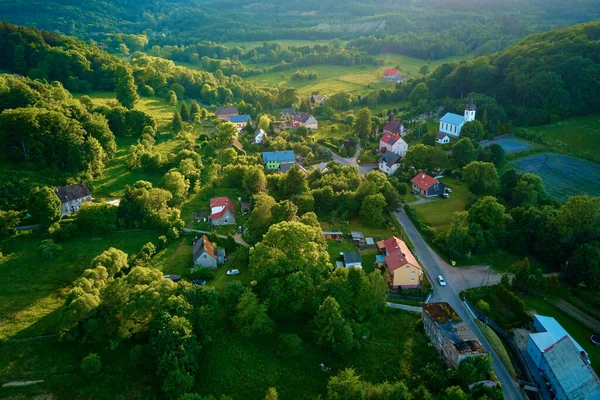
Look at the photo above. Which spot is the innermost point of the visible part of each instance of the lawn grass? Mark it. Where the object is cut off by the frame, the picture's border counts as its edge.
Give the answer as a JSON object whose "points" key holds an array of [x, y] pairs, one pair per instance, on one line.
{"points": [[438, 213], [579, 137], [32, 289], [498, 347], [580, 333], [502, 261]]}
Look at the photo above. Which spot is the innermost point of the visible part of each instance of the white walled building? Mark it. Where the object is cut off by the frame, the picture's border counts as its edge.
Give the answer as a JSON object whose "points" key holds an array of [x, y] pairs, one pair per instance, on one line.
{"points": [[452, 124], [393, 143]]}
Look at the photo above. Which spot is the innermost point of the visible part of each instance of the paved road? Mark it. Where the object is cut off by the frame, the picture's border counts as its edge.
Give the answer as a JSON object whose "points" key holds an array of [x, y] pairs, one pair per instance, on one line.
{"points": [[405, 307], [237, 236], [435, 266], [362, 169]]}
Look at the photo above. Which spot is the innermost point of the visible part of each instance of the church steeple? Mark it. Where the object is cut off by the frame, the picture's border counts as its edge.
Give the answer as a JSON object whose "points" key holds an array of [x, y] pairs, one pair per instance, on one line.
{"points": [[470, 110]]}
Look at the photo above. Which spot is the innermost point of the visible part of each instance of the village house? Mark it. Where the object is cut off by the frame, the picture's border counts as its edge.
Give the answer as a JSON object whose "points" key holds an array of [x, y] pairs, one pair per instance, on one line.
{"points": [[452, 123], [273, 159], [442, 138], [240, 120], [205, 254], [223, 113], [392, 75], [403, 268], [71, 197], [427, 186], [449, 334], [337, 236], [306, 120], [394, 143], [236, 143], [315, 99], [285, 167], [389, 162], [394, 127], [352, 259], [562, 360], [222, 211], [260, 136]]}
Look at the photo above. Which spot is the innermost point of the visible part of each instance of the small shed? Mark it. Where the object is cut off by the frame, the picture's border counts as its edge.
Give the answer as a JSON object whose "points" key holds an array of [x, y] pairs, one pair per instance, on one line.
{"points": [[358, 238], [339, 236], [352, 259], [380, 259], [245, 207], [370, 241]]}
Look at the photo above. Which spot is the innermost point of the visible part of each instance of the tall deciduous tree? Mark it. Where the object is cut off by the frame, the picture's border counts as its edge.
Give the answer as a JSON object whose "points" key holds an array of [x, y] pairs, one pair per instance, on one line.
{"points": [[463, 152], [346, 385], [458, 240], [371, 211], [44, 206], [251, 317], [184, 111], [177, 122], [472, 130], [177, 184], [331, 328], [481, 177], [125, 87], [362, 124]]}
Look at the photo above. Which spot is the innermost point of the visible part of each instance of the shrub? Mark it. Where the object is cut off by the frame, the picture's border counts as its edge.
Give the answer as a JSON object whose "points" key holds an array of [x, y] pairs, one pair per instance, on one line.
{"points": [[162, 242], [202, 273], [148, 251], [91, 365], [173, 233], [49, 249], [402, 188]]}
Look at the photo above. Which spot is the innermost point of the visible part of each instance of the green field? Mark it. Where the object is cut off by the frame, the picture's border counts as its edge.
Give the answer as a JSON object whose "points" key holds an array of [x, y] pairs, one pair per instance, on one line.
{"points": [[580, 333], [579, 137], [438, 213], [285, 43], [352, 79]]}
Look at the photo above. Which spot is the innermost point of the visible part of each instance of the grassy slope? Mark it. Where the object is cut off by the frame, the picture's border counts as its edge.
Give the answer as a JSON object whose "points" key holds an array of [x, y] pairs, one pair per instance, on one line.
{"points": [[574, 328], [32, 289]]}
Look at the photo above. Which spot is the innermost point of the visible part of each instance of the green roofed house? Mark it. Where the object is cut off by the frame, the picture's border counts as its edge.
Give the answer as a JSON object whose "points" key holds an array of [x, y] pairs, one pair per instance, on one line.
{"points": [[273, 159]]}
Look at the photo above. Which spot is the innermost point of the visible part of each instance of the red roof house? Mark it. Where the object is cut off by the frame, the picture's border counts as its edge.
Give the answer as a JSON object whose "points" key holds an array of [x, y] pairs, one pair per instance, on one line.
{"points": [[427, 186], [392, 75], [390, 138], [394, 126], [391, 71], [405, 272], [222, 211]]}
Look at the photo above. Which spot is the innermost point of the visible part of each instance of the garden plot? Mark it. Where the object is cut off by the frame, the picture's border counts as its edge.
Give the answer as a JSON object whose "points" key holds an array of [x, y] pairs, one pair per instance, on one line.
{"points": [[510, 144]]}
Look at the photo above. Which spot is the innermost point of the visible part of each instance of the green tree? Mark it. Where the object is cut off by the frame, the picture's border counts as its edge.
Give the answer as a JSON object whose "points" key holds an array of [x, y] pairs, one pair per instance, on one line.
{"points": [[332, 330], [294, 182], [463, 152], [91, 365], [362, 126], [8, 221], [44, 206], [264, 123], [497, 154], [487, 212], [177, 185], [289, 263], [472, 130], [231, 297], [522, 280], [372, 208], [290, 346], [458, 240], [177, 122], [114, 260], [184, 112], [424, 70], [96, 217], [346, 385], [429, 139], [172, 98], [419, 93], [584, 266], [251, 317], [482, 178], [195, 112], [125, 88], [271, 394], [225, 134], [260, 217], [529, 190], [455, 393]]}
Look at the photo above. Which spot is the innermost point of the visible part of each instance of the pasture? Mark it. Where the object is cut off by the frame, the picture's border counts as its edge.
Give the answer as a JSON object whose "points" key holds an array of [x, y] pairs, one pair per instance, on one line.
{"points": [[563, 175], [578, 137]]}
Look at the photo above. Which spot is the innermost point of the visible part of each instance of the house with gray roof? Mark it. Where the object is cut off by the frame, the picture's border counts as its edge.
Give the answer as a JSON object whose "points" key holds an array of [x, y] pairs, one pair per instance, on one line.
{"points": [[352, 259], [223, 113], [71, 197], [389, 162]]}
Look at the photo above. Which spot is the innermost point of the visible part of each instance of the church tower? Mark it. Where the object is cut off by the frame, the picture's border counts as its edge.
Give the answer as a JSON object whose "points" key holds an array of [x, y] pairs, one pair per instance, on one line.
{"points": [[470, 110]]}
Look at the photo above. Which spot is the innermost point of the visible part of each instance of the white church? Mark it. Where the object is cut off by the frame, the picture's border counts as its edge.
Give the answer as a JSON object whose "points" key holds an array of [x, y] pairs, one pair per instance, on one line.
{"points": [[451, 124]]}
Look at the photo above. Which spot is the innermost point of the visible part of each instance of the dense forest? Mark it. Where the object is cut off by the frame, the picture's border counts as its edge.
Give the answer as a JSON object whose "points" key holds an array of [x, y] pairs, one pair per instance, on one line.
{"points": [[427, 29]]}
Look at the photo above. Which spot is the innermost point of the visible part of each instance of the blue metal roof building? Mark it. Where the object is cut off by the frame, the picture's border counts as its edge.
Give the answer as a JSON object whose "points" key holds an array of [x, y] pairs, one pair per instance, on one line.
{"points": [[453, 119], [240, 119]]}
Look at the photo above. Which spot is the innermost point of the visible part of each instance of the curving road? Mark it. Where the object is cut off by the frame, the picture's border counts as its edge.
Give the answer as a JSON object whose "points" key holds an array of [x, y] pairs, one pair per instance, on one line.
{"points": [[351, 161], [434, 266]]}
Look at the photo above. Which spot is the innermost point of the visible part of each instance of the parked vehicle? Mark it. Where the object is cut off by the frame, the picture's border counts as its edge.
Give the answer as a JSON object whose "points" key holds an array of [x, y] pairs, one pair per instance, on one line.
{"points": [[173, 277], [233, 272], [444, 195], [448, 190], [240, 229], [198, 282], [441, 280]]}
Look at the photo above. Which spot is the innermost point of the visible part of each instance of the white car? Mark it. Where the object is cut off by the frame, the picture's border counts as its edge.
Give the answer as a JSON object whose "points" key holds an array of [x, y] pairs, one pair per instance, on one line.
{"points": [[233, 272], [448, 190], [441, 280]]}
